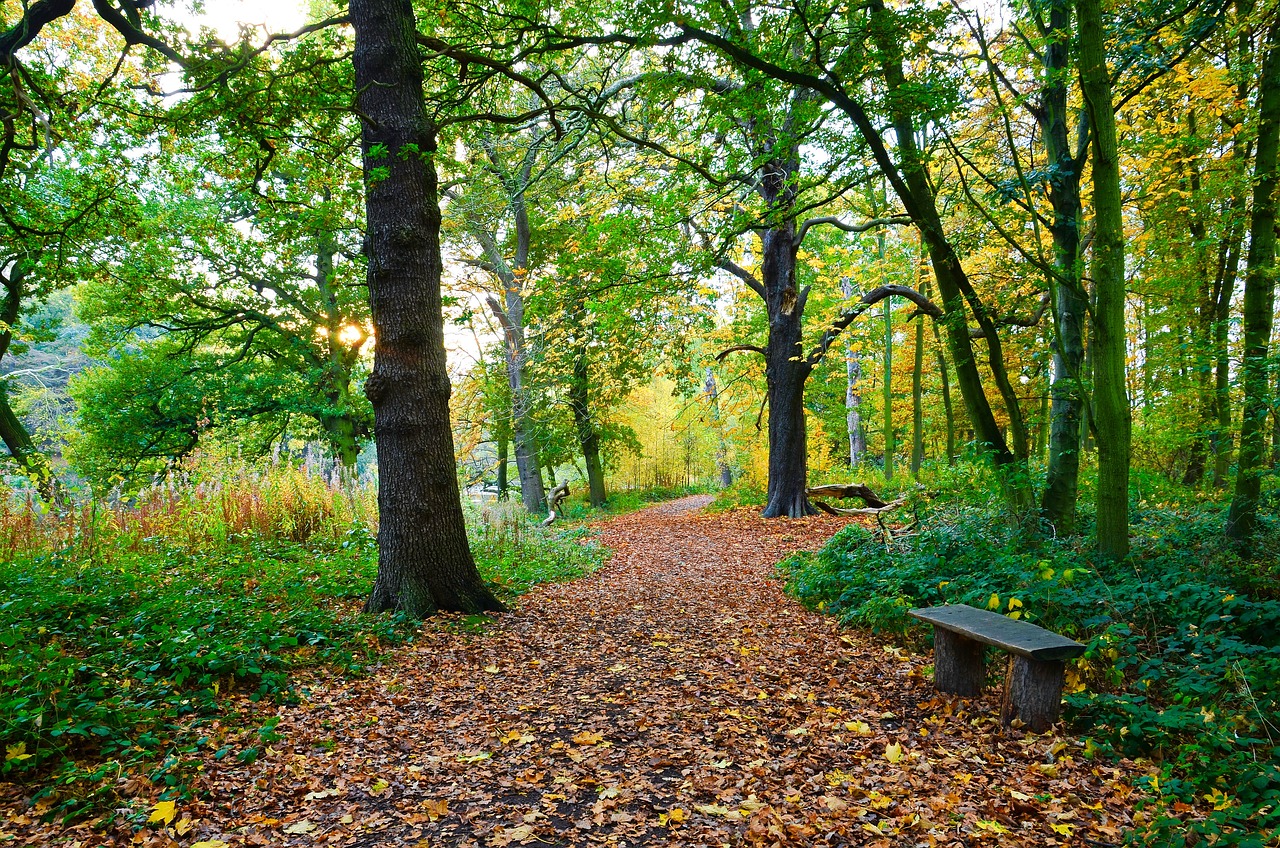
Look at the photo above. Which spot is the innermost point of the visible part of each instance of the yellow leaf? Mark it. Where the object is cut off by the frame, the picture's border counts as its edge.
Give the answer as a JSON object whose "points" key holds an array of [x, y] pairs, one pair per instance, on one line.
{"points": [[16, 752], [994, 602], [379, 786], [492, 669], [586, 737], [1064, 829], [1014, 604], [210, 843], [893, 753], [303, 826], [677, 815], [183, 826], [859, 727], [164, 811], [992, 826]]}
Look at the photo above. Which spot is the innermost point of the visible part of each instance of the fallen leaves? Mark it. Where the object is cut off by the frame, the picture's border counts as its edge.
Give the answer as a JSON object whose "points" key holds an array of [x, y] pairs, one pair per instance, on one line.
{"points": [[674, 697]]}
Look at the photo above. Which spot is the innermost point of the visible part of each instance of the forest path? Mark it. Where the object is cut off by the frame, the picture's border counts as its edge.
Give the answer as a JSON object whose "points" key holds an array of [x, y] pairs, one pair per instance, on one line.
{"points": [[677, 696]]}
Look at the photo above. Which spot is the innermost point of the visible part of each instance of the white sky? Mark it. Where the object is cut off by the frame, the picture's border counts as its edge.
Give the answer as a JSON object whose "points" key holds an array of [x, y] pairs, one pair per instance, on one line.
{"points": [[226, 16]]}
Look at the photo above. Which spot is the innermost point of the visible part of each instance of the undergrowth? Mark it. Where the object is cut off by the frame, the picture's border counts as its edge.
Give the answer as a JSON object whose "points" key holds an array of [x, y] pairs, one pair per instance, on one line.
{"points": [[1183, 662], [127, 630]]}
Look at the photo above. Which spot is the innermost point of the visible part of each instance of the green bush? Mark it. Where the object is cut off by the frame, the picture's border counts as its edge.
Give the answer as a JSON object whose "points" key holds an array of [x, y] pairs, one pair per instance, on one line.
{"points": [[118, 650], [1182, 667]]}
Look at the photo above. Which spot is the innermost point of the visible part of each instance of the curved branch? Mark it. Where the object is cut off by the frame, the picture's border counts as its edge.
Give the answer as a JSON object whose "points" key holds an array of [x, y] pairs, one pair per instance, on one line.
{"points": [[133, 35], [749, 348], [871, 298], [835, 221], [742, 274]]}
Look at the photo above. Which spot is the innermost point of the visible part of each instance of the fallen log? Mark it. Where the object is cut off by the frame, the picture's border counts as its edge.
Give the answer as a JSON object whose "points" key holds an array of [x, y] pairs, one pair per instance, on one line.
{"points": [[554, 498], [870, 510], [848, 490]]}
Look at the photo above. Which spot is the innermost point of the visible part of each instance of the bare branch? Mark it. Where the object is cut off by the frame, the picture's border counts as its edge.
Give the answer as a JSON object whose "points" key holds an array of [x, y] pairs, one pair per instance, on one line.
{"points": [[835, 221], [750, 348], [871, 298]]}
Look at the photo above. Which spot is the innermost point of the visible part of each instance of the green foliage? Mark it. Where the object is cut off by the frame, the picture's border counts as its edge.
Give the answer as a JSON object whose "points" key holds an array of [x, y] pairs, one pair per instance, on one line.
{"points": [[128, 630], [1182, 667], [741, 493]]}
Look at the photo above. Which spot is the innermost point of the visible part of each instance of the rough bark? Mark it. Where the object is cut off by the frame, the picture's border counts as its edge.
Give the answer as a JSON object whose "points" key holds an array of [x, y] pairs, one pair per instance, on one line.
{"points": [[959, 664], [1033, 693], [1259, 301], [424, 562], [1112, 417], [785, 373]]}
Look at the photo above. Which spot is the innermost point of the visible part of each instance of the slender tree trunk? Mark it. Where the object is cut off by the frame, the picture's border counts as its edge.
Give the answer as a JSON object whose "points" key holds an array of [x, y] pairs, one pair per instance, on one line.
{"points": [[947, 408], [1112, 416], [1062, 475], [889, 446], [588, 438], [424, 562], [1259, 300], [528, 463], [959, 298], [917, 401], [852, 397], [722, 444], [502, 446]]}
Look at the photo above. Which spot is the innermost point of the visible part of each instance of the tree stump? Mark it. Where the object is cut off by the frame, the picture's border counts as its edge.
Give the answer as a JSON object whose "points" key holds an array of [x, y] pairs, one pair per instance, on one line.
{"points": [[959, 664], [1034, 693]]}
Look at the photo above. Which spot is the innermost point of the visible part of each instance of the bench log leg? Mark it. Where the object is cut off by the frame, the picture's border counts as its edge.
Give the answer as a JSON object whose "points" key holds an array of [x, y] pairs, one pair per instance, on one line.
{"points": [[1034, 692], [959, 663]]}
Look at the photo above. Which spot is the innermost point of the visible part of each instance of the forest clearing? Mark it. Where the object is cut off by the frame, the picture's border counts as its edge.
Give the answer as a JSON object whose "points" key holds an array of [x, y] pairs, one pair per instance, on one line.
{"points": [[346, 347]]}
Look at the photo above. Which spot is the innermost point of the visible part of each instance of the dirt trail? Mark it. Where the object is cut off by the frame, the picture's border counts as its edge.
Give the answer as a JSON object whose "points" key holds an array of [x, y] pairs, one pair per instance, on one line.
{"points": [[675, 697]]}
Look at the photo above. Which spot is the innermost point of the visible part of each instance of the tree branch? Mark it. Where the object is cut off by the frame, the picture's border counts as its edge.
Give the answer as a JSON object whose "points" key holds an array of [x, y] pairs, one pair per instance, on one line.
{"points": [[749, 348], [835, 221], [871, 298]]}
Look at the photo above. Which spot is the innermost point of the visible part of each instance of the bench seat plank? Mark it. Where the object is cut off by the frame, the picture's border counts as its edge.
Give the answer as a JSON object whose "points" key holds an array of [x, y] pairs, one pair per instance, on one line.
{"points": [[1017, 637]]}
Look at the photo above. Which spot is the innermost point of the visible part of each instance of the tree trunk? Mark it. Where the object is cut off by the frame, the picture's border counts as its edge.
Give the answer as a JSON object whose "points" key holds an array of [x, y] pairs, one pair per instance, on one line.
{"points": [[1112, 417], [852, 397], [502, 465], [1062, 476], [785, 374], [1259, 301], [722, 444], [424, 562], [528, 462], [948, 410], [889, 446], [956, 290], [917, 401], [588, 438]]}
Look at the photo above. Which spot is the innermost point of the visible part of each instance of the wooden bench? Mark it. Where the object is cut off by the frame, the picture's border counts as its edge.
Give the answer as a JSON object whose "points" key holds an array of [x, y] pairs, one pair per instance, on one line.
{"points": [[1033, 690]]}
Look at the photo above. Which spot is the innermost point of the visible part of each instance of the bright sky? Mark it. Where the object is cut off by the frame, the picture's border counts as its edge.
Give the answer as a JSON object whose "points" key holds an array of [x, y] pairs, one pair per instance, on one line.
{"points": [[226, 16]]}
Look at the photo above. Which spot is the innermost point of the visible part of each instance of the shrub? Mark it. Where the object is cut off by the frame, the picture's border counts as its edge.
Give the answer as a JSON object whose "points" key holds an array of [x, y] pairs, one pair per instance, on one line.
{"points": [[1182, 666]]}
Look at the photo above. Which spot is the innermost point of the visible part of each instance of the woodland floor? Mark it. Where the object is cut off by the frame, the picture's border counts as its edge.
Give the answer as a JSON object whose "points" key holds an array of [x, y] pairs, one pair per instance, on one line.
{"points": [[675, 697]]}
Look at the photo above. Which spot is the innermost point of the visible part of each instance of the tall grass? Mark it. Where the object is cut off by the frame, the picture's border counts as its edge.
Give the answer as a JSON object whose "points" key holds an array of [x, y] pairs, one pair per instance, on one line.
{"points": [[126, 623], [199, 506]]}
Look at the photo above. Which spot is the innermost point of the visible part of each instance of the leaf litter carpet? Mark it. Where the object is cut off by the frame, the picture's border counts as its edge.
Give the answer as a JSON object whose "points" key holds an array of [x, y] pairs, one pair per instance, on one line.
{"points": [[675, 697]]}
